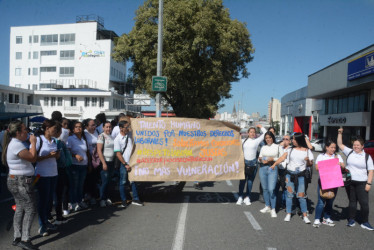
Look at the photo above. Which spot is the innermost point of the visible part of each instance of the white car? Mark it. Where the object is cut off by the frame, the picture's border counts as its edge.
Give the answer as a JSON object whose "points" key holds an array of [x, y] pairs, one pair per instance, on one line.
{"points": [[318, 145]]}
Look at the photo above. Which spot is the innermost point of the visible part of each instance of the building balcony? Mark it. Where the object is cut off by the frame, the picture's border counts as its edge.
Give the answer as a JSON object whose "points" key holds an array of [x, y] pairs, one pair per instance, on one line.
{"points": [[6, 107], [73, 110]]}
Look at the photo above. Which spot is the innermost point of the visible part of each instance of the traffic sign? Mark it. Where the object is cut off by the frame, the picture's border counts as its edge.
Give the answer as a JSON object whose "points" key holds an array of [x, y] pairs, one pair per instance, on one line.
{"points": [[159, 83]]}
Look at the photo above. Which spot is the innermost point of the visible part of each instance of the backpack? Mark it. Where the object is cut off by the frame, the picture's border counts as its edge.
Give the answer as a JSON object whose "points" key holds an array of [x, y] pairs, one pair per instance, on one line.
{"points": [[95, 160], [40, 147]]}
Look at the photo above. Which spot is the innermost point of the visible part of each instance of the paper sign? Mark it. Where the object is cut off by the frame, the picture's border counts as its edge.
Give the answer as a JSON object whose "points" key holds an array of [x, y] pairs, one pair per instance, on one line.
{"points": [[330, 174], [184, 149]]}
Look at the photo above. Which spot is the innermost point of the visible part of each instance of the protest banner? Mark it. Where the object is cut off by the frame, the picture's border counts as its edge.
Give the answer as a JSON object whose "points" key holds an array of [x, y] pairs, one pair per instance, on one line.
{"points": [[185, 149], [330, 174]]}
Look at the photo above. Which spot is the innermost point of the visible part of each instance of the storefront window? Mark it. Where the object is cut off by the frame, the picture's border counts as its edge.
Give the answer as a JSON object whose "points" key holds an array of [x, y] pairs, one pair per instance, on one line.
{"points": [[357, 102]]}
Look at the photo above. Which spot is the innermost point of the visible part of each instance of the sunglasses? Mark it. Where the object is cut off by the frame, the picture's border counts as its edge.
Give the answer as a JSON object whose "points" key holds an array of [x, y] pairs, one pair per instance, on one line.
{"points": [[286, 139]]}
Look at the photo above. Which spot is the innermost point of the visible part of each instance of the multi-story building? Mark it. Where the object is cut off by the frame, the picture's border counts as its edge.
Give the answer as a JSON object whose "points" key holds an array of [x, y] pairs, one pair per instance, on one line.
{"points": [[274, 108]]}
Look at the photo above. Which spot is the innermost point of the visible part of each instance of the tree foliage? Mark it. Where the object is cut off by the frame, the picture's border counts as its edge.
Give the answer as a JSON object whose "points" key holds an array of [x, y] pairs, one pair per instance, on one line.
{"points": [[204, 51]]}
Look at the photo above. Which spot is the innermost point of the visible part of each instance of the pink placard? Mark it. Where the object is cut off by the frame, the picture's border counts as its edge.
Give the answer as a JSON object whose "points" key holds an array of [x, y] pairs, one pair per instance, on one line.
{"points": [[330, 173]]}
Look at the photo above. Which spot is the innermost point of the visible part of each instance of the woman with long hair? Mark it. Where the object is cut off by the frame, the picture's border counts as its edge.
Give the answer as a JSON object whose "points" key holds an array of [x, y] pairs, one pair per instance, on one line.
{"points": [[20, 181], [298, 158], [324, 206], [361, 167]]}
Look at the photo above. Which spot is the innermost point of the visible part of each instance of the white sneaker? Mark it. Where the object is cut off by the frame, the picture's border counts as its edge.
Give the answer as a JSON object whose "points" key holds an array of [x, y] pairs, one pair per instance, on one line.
{"points": [[66, 212], [287, 218], [273, 213], [240, 201], [108, 202], [316, 223], [265, 210], [328, 222], [102, 203], [247, 201], [306, 220], [77, 208]]}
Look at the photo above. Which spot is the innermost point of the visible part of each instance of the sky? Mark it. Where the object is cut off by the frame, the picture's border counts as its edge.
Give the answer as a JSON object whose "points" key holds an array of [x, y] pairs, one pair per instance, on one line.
{"points": [[292, 38]]}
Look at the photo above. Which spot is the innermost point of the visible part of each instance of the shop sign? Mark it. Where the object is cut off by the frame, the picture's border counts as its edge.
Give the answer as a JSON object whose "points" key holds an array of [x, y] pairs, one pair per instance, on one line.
{"points": [[361, 66], [333, 120]]}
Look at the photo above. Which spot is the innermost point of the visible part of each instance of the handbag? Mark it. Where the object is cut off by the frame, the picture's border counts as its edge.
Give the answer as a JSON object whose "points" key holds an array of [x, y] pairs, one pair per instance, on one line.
{"points": [[327, 194], [117, 162], [249, 170], [347, 178], [95, 159]]}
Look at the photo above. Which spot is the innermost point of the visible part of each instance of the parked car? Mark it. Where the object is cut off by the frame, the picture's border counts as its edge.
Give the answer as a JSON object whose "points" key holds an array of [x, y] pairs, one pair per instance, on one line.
{"points": [[318, 145], [369, 148], [278, 139]]}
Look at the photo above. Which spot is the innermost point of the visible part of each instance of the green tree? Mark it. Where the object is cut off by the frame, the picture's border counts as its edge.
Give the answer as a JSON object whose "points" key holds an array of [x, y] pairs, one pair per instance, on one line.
{"points": [[204, 51]]}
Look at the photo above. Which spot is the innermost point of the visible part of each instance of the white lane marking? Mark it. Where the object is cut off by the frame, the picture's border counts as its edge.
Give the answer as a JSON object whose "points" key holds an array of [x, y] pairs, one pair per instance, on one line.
{"points": [[181, 225], [229, 183], [272, 248], [5, 200], [235, 195], [253, 221]]}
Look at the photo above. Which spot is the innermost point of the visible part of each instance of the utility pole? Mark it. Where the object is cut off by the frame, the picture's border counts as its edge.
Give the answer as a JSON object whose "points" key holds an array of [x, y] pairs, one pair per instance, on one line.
{"points": [[159, 52]]}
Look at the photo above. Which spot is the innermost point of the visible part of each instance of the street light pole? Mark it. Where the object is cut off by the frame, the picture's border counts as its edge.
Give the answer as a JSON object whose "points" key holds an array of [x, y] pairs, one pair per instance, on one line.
{"points": [[159, 53]]}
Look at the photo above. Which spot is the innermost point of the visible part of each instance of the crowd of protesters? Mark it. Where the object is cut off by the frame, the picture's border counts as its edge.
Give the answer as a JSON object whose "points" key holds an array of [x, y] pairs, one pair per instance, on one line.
{"points": [[58, 161]]}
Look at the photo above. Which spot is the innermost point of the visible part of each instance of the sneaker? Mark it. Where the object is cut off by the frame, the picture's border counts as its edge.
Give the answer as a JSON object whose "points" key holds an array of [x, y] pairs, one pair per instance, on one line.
{"points": [[265, 210], [240, 201], [367, 226], [247, 201], [273, 213], [83, 205], [306, 220], [50, 226], [16, 241], [93, 202], [351, 223], [124, 205], [71, 206], [328, 222], [102, 203], [66, 212], [27, 245], [108, 202], [51, 219], [137, 203], [77, 208], [287, 218], [43, 232], [316, 223], [60, 221]]}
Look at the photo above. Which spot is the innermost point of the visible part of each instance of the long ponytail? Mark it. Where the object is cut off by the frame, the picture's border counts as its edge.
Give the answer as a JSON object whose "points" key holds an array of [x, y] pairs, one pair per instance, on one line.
{"points": [[14, 127]]}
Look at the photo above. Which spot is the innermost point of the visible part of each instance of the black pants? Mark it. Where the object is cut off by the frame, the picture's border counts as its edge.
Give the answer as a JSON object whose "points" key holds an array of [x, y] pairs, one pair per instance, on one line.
{"points": [[62, 195], [92, 181], [357, 193]]}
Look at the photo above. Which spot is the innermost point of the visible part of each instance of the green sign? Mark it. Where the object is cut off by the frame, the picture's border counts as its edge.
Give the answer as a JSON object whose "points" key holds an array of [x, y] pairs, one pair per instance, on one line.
{"points": [[159, 83]]}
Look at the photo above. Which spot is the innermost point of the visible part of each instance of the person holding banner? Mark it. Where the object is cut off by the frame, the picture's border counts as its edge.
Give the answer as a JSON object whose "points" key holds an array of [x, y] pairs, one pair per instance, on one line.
{"points": [[250, 146], [298, 158], [361, 167], [269, 174], [21, 180], [324, 206]]}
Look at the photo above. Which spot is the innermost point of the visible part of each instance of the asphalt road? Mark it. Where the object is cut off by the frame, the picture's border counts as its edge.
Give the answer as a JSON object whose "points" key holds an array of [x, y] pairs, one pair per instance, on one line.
{"points": [[197, 219]]}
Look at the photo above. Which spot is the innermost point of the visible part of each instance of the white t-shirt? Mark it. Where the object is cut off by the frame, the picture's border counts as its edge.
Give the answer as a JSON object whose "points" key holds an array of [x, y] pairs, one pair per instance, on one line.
{"points": [[115, 132], [250, 146], [273, 150], [119, 145], [357, 166], [283, 165], [323, 157], [91, 140], [78, 147], [18, 166], [46, 167], [64, 135], [108, 151], [296, 159]]}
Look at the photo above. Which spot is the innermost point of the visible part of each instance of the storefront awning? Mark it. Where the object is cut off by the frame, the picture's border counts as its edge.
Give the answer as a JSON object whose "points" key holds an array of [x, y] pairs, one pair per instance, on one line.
{"points": [[10, 116]]}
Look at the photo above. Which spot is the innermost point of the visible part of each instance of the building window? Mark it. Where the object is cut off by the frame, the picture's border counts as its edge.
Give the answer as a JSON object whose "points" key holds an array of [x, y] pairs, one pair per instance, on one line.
{"points": [[29, 55], [53, 101], [94, 101], [48, 53], [59, 101], [35, 55], [47, 69], [46, 101], [10, 98], [86, 101], [101, 102], [66, 71], [16, 98], [18, 55], [67, 54], [36, 39], [73, 101], [355, 102], [34, 71], [18, 39], [18, 71], [49, 39], [30, 39], [35, 87], [67, 38]]}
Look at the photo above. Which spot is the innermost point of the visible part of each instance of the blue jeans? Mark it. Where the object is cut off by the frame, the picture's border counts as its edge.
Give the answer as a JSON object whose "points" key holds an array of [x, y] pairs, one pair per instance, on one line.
{"points": [[324, 206], [269, 177], [106, 176], [122, 182], [248, 178], [46, 189], [291, 192], [76, 176]]}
